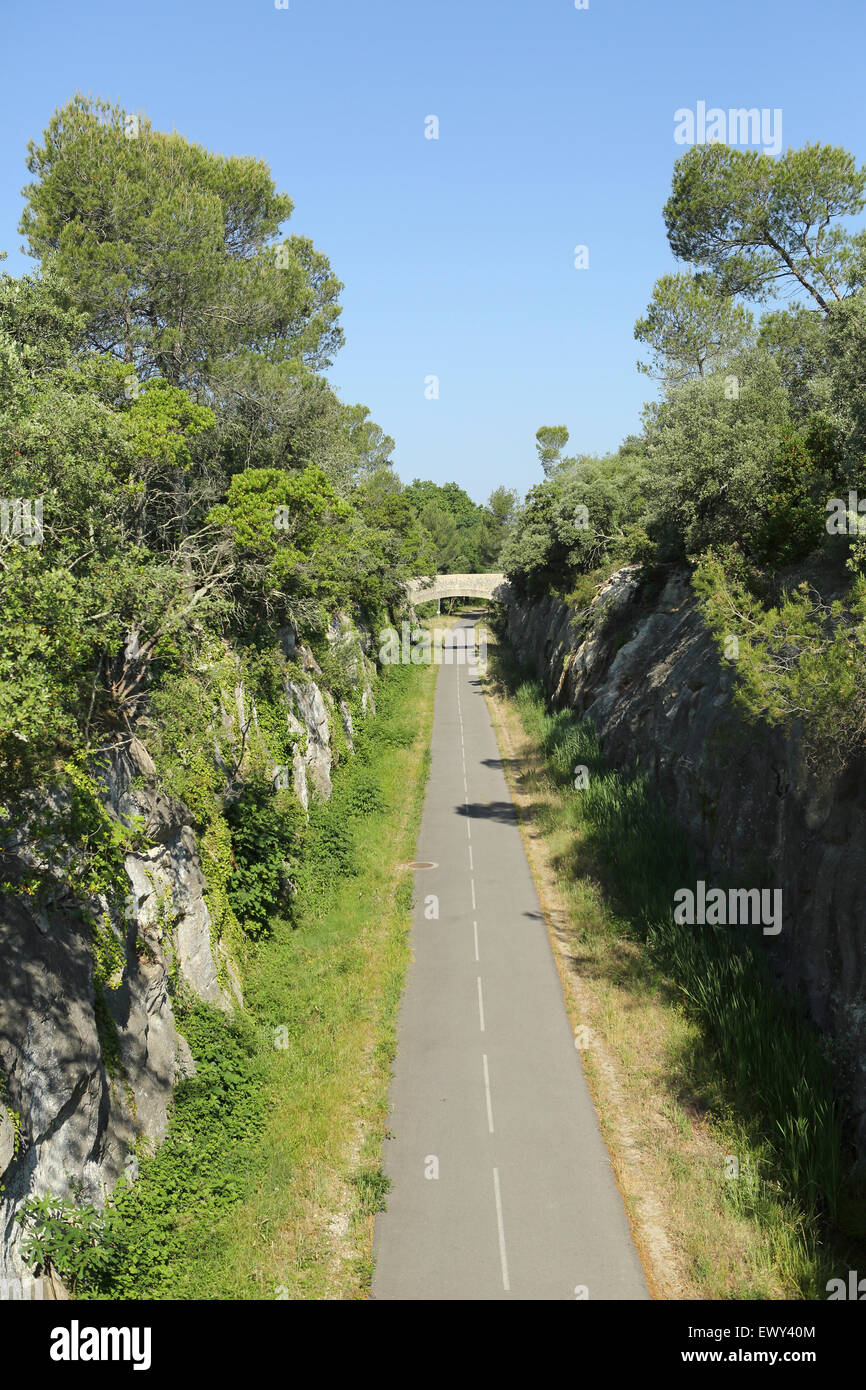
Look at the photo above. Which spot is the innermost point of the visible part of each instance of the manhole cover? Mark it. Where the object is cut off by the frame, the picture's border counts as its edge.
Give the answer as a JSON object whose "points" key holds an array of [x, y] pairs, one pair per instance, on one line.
{"points": [[419, 864]]}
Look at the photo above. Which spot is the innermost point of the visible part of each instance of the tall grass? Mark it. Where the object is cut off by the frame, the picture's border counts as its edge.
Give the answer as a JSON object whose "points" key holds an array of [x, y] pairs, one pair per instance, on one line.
{"points": [[765, 1053]]}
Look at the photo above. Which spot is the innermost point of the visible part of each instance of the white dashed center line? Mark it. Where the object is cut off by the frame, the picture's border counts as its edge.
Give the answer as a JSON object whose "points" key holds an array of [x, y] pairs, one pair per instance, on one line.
{"points": [[487, 1094], [502, 1255]]}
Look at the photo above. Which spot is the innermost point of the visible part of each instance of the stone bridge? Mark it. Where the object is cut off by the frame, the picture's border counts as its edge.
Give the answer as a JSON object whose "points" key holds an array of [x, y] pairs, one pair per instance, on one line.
{"points": [[484, 586]]}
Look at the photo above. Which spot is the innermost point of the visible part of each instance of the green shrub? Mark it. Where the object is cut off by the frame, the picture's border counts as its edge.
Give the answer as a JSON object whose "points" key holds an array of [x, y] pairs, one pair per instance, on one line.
{"points": [[65, 1237], [330, 846], [791, 523], [365, 794], [799, 663], [266, 848], [587, 516]]}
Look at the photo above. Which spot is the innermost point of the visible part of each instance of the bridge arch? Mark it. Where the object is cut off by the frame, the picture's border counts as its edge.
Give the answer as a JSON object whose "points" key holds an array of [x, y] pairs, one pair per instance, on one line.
{"points": [[484, 586]]}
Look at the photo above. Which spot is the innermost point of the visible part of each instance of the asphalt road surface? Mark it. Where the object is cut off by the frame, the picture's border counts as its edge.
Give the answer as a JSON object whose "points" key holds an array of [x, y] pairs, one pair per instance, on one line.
{"points": [[501, 1182]]}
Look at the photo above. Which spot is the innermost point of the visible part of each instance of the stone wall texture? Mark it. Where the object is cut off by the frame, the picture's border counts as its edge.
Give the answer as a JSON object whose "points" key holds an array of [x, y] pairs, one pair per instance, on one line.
{"points": [[641, 664]]}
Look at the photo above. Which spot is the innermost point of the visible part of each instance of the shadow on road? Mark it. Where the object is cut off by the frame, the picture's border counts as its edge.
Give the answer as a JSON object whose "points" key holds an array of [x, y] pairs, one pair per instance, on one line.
{"points": [[502, 811]]}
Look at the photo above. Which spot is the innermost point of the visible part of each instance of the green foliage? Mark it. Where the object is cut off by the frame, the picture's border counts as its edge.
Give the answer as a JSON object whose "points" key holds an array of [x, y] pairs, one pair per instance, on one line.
{"points": [[278, 515], [217, 861], [220, 308], [335, 664], [101, 202], [168, 522], [372, 1186], [586, 514], [198, 1172], [65, 1237], [463, 537], [160, 423], [692, 329], [45, 660], [365, 795], [330, 849], [182, 709], [800, 662], [797, 339], [550, 440], [713, 447], [266, 842], [754, 221], [792, 521], [846, 347], [298, 546], [330, 846]]}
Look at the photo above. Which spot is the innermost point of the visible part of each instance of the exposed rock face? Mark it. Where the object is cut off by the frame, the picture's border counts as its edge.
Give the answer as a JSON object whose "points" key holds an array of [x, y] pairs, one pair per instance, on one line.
{"points": [[348, 726], [352, 646], [646, 671], [79, 1115], [7, 1138], [312, 708], [313, 713], [55, 1077]]}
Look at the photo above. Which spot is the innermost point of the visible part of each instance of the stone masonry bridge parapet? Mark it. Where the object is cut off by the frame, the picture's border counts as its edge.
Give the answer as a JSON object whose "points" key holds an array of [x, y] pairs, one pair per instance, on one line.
{"points": [[483, 586]]}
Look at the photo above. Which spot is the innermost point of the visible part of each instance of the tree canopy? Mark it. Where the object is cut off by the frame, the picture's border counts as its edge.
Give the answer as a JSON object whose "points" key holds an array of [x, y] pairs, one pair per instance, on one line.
{"points": [[758, 224], [161, 396], [759, 422]]}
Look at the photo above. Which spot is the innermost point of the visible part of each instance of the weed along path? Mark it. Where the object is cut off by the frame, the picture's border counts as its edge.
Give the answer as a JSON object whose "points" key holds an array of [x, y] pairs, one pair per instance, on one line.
{"points": [[501, 1186]]}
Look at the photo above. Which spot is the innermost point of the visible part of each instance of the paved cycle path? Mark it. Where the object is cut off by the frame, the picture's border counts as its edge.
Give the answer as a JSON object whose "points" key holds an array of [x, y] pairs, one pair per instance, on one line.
{"points": [[501, 1183]]}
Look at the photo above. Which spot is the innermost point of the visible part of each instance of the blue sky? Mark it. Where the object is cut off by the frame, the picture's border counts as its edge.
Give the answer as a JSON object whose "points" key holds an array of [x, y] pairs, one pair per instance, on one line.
{"points": [[556, 130]]}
